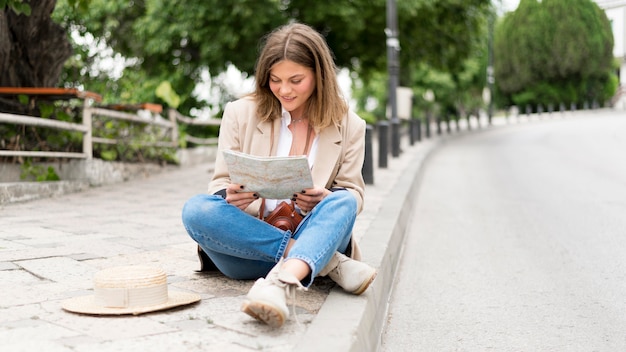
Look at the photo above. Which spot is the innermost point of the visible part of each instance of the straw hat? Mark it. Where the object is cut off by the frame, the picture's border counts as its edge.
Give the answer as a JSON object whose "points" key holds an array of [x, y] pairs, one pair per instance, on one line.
{"points": [[129, 290]]}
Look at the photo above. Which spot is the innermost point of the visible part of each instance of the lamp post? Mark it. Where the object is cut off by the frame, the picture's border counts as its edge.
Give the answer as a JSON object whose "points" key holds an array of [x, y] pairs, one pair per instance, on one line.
{"points": [[393, 66], [429, 96], [490, 71]]}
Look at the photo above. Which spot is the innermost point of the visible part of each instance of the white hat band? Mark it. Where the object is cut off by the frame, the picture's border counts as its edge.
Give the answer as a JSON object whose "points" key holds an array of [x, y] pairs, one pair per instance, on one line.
{"points": [[131, 297]]}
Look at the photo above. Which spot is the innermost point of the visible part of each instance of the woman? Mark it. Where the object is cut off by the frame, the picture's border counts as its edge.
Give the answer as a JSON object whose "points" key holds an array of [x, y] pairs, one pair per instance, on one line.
{"points": [[296, 109]]}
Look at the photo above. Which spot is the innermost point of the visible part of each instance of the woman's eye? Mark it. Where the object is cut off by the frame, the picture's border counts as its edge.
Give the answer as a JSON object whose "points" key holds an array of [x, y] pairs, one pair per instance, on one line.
{"points": [[296, 82]]}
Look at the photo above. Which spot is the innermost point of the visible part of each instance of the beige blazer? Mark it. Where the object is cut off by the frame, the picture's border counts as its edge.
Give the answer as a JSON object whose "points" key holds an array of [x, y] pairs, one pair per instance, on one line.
{"points": [[338, 162]]}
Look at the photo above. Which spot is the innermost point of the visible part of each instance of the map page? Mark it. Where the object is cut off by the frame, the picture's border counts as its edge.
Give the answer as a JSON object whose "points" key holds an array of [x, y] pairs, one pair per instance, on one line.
{"points": [[271, 177]]}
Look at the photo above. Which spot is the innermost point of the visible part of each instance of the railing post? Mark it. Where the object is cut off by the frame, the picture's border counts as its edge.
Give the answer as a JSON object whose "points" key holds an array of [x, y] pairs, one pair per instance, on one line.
{"points": [[171, 113], [438, 118], [87, 137], [383, 143], [368, 164]]}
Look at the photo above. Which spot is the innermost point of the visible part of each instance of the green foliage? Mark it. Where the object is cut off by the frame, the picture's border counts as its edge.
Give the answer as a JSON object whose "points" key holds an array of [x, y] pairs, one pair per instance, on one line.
{"points": [[174, 43], [454, 94], [167, 94], [135, 142], [554, 51], [442, 49], [18, 6], [38, 172]]}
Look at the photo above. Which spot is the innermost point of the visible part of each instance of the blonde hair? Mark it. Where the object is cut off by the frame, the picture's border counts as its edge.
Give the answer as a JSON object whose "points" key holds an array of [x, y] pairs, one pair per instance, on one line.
{"points": [[305, 46]]}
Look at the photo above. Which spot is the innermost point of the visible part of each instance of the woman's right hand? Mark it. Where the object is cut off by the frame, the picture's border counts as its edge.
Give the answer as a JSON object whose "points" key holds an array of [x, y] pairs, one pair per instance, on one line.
{"points": [[236, 197]]}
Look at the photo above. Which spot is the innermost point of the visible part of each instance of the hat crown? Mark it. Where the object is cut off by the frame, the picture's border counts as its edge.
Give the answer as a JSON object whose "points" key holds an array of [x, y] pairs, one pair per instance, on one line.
{"points": [[130, 286]]}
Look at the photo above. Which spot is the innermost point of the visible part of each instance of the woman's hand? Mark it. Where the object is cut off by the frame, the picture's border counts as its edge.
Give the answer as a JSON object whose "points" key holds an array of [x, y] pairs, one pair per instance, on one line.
{"points": [[236, 197], [308, 198]]}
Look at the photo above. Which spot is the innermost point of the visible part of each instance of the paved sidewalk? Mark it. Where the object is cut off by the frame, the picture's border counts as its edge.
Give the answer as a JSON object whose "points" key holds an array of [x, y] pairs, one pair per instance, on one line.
{"points": [[51, 248]]}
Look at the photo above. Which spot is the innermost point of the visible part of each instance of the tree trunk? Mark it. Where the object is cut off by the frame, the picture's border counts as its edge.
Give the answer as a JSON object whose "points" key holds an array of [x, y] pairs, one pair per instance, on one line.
{"points": [[33, 48]]}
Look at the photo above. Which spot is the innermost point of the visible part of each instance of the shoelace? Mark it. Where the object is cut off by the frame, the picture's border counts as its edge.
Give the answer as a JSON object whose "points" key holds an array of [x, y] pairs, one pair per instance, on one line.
{"points": [[290, 292]]}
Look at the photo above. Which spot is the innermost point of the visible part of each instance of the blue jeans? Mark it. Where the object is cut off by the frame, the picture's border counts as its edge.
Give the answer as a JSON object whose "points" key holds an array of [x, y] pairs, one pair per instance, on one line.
{"points": [[245, 247]]}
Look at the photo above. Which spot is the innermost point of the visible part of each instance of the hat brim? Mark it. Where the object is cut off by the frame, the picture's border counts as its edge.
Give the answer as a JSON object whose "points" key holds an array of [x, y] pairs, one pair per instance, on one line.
{"points": [[87, 305]]}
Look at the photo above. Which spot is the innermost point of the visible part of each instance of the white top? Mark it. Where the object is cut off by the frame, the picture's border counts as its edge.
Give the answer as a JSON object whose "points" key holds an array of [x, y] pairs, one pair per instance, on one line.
{"points": [[284, 146]]}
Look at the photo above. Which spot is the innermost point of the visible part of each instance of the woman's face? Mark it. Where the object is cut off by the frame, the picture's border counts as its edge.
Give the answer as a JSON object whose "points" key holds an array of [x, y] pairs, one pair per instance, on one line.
{"points": [[293, 85]]}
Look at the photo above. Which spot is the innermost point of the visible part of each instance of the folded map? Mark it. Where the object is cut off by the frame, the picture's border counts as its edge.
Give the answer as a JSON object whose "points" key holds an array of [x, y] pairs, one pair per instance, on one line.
{"points": [[273, 177]]}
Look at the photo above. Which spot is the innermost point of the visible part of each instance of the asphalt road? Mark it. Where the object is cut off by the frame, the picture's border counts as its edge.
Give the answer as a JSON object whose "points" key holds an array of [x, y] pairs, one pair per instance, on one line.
{"points": [[518, 242]]}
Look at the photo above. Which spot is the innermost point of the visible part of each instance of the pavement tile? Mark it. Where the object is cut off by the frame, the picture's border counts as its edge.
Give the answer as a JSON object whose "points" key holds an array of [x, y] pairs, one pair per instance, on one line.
{"points": [[33, 330], [21, 312], [17, 277], [9, 244], [62, 270], [7, 266], [110, 327]]}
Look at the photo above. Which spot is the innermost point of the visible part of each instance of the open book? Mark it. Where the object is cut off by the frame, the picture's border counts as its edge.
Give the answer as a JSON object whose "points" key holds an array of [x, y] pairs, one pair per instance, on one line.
{"points": [[271, 177]]}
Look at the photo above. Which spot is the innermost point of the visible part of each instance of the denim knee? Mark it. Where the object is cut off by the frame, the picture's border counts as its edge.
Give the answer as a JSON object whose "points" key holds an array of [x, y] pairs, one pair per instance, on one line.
{"points": [[198, 210], [345, 198]]}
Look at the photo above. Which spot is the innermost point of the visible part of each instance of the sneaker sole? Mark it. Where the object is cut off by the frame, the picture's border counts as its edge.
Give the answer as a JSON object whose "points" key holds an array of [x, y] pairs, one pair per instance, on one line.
{"points": [[265, 313], [365, 284]]}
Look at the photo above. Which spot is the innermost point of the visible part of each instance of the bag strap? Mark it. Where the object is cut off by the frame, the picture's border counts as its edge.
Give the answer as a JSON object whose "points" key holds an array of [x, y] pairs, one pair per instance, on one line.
{"points": [[262, 208]]}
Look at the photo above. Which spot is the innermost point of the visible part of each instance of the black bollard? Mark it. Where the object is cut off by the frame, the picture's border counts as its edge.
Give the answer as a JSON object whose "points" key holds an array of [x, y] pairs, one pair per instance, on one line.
{"points": [[418, 130], [368, 164], [438, 126], [395, 138], [412, 131], [383, 143], [427, 127]]}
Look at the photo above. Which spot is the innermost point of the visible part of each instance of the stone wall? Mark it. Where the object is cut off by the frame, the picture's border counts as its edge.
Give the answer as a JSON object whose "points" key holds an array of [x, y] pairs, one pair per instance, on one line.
{"points": [[78, 175]]}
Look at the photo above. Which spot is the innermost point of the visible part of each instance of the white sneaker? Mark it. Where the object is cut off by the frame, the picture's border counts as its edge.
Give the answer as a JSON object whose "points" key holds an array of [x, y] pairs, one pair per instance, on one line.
{"points": [[352, 275], [267, 299]]}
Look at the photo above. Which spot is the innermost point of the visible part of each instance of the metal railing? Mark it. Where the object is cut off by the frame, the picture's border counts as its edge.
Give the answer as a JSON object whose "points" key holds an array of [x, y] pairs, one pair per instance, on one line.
{"points": [[90, 113]]}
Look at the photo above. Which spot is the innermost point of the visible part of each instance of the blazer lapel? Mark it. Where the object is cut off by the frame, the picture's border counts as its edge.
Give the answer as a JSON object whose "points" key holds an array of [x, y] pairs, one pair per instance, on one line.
{"points": [[260, 144]]}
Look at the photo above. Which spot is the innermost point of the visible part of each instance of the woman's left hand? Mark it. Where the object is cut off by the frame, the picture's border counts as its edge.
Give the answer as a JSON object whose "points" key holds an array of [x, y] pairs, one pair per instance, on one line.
{"points": [[308, 198]]}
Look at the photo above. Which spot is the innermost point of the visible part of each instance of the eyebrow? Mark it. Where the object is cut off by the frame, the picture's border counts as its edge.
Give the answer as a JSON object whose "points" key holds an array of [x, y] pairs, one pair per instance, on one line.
{"points": [[298, 75]]}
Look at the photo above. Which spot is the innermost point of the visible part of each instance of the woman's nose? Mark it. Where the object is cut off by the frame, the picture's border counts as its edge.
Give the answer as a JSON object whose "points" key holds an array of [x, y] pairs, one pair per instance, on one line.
{"points": [[284, 89]]}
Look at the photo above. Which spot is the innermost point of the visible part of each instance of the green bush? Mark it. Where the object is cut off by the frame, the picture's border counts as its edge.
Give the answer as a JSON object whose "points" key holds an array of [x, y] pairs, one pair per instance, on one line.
{"points": [[554, 51]]}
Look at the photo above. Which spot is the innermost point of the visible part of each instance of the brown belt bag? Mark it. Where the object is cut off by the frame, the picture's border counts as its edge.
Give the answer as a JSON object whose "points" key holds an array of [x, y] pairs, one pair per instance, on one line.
{"points": [[285, 216]]}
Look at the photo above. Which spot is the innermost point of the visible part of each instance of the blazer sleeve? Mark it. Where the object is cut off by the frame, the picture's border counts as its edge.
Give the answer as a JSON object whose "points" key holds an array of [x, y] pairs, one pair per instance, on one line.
{"points": [[228, 139], [350, 174]]}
